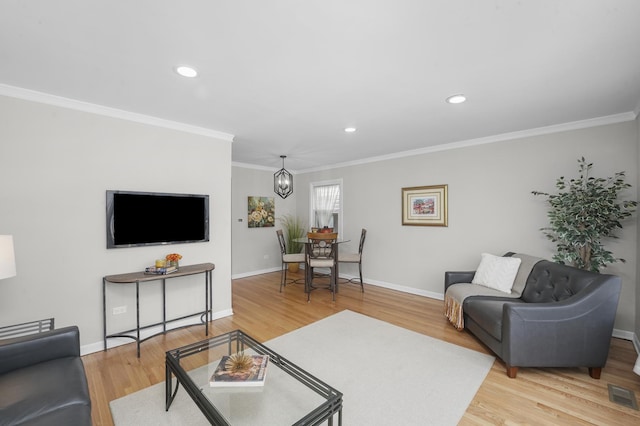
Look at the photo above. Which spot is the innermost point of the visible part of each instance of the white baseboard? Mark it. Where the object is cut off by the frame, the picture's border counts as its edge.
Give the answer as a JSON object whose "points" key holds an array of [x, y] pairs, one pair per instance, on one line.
{"points": [[119, 341], [259, 272], [623, 334], [401, 288]]}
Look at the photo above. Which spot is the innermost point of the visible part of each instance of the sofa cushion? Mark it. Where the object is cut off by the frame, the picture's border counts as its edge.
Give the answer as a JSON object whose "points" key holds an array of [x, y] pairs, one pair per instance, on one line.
{"points": [[487, 313], [497, 272], [553, 282], [70, 415], [52, 390], [24, 351]]}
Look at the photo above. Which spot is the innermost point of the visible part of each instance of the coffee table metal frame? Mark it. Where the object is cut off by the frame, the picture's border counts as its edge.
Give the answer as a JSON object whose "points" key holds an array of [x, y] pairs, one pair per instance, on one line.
{"points": [[238, 341]]}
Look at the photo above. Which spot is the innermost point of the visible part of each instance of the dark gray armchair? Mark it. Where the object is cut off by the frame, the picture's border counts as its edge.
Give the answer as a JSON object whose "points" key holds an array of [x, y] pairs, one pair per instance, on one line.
{"points": [[564, 318], [42, 380]]}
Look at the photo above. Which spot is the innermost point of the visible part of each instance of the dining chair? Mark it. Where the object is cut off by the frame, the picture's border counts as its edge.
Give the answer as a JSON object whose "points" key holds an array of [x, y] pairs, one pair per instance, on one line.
{"points": [[355, 258], [287, 258], [320, 252]]}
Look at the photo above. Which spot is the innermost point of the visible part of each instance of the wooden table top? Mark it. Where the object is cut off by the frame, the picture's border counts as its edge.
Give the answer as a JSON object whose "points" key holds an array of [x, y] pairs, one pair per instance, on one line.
{"points": [[140, 276]]}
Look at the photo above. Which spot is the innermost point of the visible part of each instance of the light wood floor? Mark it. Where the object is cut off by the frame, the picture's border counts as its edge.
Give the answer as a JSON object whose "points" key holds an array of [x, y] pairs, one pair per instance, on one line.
{"points": [[566, 396]]}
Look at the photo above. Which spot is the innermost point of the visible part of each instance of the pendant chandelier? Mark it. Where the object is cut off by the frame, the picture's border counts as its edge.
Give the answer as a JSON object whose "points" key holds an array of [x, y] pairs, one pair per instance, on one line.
{"points": [[283, 181]]}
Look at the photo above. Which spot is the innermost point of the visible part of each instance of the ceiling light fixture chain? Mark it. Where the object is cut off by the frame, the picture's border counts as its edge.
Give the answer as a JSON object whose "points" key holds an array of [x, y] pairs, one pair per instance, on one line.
{"points": [[283, 181]]}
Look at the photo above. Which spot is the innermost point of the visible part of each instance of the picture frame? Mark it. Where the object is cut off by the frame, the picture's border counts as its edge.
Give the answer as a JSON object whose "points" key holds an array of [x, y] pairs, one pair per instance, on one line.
{"points": [[261, 212], [425, 205]]}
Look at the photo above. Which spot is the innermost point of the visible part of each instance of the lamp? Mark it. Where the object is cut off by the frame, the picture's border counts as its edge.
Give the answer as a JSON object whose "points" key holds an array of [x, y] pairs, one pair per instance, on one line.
{"points": [[283, 181], [7, 257]]}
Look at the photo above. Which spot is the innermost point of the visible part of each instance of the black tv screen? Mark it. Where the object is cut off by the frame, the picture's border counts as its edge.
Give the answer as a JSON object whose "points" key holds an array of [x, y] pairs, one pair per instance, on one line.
{"points": [[154, 218]]}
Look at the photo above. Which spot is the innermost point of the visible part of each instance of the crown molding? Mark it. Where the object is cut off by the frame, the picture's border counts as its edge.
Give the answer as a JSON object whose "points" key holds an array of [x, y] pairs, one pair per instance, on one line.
{"points": [[257, 167], [59, 101], [45, 98], [574, 125]]}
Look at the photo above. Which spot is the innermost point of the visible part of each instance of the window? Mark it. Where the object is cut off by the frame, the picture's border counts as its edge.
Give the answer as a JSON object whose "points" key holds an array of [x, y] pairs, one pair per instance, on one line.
{"points": [[326, 208]]}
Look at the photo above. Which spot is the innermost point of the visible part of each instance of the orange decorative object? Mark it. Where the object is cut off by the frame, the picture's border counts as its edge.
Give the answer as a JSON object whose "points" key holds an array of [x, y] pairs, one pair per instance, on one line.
{"points": [[173, 257]]}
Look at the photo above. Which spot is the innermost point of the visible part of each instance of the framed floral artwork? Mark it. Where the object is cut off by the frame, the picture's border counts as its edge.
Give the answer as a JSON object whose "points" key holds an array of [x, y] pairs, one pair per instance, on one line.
{"points": [[262, 212], [425, 205]]}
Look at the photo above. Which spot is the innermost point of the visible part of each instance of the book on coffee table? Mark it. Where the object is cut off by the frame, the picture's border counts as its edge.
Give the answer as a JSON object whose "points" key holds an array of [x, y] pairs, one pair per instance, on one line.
{"points": [[227, 374]]}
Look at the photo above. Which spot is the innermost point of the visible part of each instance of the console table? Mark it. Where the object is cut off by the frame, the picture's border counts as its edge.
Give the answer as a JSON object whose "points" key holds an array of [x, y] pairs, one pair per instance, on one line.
{"points": [[138, 277]]}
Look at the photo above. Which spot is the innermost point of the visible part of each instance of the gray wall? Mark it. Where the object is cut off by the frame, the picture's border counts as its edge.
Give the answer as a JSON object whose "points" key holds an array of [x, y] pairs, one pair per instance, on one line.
{"points": [[491, 208], [55, 166], [255, 250]]}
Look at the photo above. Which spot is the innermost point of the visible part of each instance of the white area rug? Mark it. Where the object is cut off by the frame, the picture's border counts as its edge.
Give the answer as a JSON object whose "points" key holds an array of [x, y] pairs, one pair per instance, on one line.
{"points": [[388, 375]]}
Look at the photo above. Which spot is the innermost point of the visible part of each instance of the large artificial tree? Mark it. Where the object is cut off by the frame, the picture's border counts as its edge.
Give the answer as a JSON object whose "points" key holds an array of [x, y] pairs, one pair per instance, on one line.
{"points": [[584, 212], [294, 230]]}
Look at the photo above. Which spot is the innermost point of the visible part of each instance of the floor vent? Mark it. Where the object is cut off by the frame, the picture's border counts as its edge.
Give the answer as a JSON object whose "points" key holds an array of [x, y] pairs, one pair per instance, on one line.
{"points": [[623, 396]]}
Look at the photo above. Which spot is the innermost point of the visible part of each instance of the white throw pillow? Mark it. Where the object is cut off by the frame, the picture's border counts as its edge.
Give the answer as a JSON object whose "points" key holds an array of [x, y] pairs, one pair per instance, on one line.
{"points": [[497, 272]]}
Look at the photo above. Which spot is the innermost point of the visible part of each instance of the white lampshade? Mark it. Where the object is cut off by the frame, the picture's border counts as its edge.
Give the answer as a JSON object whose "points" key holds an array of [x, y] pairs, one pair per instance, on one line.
{"points": [[7, 257]]}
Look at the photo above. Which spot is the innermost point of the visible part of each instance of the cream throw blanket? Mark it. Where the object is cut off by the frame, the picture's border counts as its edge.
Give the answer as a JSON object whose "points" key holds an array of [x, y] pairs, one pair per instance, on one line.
{"points": [[456, 293]]}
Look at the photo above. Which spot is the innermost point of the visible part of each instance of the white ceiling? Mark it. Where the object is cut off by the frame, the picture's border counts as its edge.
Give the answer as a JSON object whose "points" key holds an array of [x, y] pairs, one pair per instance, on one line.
{"points": [[287, 76]]}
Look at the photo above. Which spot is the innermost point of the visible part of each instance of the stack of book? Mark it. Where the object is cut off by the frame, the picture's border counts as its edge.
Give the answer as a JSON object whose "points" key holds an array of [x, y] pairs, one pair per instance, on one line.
{"points": [[160, 271], [253, 375]]}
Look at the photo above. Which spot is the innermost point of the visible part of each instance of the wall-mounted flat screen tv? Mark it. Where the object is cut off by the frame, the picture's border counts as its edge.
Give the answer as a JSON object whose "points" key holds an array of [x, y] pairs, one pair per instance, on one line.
{"points": [[155, 218]]}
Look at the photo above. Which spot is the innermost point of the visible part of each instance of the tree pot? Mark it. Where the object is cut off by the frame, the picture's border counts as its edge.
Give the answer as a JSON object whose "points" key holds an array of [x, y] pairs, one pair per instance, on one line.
{"points": [[293, 267]]}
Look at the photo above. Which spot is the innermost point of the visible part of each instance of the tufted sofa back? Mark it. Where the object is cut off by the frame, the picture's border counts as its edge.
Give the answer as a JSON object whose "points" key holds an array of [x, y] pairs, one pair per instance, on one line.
{"points": [[552, 282]]}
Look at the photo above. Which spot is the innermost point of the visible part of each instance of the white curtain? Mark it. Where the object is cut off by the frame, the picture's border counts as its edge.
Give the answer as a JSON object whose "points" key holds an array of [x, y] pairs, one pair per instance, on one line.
{"points": [[324, 203]]}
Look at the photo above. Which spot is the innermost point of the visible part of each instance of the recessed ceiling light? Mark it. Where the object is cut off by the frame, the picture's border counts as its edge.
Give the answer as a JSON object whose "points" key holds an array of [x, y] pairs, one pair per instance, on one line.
{"points": [[456, 99], [350, 129], [186, 71]]}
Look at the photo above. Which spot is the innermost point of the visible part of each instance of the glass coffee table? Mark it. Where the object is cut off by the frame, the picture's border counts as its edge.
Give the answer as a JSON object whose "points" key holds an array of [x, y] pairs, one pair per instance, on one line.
{"points": [[289, 395]]}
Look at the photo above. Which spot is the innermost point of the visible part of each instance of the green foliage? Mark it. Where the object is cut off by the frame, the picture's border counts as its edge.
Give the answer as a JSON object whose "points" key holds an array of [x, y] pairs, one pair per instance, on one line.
{"points": [[293, 228], [585, 211]]}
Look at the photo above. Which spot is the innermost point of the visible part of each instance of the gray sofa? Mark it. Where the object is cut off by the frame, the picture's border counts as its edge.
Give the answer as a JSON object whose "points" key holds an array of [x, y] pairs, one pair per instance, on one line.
{"points": [[42, 380], [563, 318]]}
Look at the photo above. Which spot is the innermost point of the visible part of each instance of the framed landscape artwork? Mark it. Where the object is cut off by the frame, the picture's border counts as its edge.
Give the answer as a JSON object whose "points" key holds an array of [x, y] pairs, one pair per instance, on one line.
{"points": [[425, 205], [261, 211]]}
